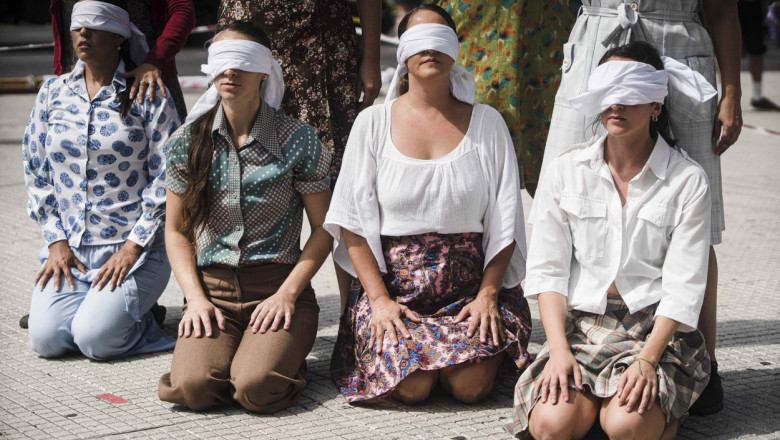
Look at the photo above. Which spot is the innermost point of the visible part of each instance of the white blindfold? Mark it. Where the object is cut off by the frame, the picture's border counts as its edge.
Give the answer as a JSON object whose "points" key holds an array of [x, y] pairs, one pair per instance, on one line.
{"points": [[441, 38], [239, 55], [633, 83], [103, 16]]}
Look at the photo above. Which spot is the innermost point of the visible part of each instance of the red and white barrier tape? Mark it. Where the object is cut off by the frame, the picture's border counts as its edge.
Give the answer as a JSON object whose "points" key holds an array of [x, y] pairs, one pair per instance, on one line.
{"points": [[761, 130], [26, 47]]}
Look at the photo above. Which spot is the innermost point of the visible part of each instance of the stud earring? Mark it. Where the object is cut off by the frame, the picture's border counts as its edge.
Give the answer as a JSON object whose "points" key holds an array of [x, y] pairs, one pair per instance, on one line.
{"points": [[654, 118]]}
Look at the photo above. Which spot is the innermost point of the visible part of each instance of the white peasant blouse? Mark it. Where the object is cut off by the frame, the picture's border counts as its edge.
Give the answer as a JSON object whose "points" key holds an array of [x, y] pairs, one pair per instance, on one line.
{"points": [[474, 188]]}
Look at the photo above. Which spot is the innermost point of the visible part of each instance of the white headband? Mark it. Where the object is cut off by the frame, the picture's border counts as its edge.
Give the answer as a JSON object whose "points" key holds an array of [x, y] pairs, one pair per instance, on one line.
{"points": [[438, 37], [103, 16], [632, 83], [239, 55]]}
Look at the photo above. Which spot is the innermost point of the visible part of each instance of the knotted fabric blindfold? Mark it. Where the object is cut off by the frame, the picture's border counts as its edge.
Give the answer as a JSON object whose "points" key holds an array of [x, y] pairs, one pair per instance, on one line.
{"points": [[633, 83], [441, 38], [245, 55], [103, 16]]}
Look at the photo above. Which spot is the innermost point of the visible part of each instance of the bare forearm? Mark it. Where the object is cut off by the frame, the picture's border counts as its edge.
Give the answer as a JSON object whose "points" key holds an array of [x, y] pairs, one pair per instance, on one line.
{"points": [[659, 338], [724, 29], [552, 308], [370, 13], [365, 265], [493, 277], [314, 253], [181, 255]]}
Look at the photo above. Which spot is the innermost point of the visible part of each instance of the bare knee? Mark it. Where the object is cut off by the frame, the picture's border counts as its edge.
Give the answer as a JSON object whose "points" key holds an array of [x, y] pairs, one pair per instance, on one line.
{"points": [[544, 425], [618, 428], [471, 382], [473, 388], [620, 425], [415, 388], [572, 419]]}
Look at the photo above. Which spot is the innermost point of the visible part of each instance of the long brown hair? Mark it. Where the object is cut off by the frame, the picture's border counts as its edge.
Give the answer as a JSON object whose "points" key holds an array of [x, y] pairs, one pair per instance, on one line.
{"points": [[197, 197]]}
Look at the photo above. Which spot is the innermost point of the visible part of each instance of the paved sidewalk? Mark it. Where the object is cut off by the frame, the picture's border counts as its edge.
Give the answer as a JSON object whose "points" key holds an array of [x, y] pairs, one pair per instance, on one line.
{"points": [[56, 398]]}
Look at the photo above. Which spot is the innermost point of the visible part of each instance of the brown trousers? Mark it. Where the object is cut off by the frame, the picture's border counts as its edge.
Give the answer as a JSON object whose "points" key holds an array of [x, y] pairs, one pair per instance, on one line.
{"points": [[264, 373]]}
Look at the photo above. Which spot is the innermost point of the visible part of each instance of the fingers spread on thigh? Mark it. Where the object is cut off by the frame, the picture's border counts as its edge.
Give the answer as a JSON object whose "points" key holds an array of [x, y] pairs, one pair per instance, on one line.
{"points": [[483, 330]]}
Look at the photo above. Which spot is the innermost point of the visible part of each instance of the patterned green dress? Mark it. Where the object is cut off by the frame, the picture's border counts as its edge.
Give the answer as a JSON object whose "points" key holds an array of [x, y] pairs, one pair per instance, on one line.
{"points": [[514, 49]]}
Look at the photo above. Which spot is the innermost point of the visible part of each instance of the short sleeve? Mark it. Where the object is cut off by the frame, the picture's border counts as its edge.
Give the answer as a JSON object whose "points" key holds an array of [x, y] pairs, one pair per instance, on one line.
{"points": [[687, 257], [311, 171], [176, 164], [550, 249]]}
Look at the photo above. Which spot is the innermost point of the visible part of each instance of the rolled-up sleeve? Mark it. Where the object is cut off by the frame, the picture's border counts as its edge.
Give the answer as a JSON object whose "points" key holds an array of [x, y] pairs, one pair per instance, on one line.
{"points": [[550, 250], [687, 257]]}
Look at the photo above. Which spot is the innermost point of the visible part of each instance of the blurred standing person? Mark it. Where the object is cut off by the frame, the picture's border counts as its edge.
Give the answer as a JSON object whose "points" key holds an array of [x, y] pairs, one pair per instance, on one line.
{"points": [[752, 15], [514, 51], [166, 24], [704, 130], [316, 45]]}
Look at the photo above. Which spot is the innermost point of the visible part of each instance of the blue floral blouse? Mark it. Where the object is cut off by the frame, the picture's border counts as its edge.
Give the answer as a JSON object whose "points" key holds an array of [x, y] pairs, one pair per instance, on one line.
{"points": [[93, 177]]}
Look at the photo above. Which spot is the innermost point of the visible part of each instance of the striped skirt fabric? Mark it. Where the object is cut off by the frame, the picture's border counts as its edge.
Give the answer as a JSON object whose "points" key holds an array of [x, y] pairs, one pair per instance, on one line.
{"points": [[605, 345]]}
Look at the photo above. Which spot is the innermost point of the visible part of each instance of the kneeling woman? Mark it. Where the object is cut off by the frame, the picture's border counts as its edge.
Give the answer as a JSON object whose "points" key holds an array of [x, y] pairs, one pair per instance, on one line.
{"points": [[427, 214], [239, 175], [618, 259], [94, 168]]}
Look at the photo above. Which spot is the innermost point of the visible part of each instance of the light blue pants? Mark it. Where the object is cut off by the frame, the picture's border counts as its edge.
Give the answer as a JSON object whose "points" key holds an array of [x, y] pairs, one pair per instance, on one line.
{"points": [[101, 324]]}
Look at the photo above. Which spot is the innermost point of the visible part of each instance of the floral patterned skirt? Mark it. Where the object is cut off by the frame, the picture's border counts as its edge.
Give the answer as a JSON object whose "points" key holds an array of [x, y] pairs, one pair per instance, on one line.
{"points": [[435, 275]]}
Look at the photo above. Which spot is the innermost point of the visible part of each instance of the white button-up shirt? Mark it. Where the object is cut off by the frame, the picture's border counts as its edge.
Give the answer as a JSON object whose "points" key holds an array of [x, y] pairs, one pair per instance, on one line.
{"points": [[92, 176], [655, 247]]}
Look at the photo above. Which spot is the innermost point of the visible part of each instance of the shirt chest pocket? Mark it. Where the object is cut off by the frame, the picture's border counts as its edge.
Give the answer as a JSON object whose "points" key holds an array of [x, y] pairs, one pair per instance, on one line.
{"points": [[654, 228], [588, 224]]}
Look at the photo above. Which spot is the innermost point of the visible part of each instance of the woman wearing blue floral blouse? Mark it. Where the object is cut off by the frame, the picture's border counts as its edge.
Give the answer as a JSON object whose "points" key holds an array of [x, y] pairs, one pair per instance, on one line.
{"points": [[94, 168]]}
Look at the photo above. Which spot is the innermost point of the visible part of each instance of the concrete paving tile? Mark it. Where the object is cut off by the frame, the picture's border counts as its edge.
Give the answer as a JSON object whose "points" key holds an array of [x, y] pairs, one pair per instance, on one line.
{"points": [[37, 394]]}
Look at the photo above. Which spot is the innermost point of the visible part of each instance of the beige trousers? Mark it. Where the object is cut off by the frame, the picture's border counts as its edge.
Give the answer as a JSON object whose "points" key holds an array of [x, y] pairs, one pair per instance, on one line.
{"points": [[264, 373]]}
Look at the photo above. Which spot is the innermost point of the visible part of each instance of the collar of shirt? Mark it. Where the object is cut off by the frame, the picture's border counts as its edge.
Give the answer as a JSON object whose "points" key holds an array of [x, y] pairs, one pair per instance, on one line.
{"points": [[263, 130], [658, 162], [74, 81]]}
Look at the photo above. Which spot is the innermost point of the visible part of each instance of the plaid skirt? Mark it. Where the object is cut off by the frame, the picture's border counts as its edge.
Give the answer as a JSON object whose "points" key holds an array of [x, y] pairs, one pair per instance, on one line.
{"points": [[605, 345], [435, 275]]}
